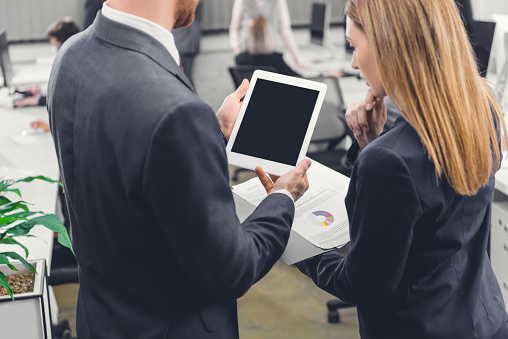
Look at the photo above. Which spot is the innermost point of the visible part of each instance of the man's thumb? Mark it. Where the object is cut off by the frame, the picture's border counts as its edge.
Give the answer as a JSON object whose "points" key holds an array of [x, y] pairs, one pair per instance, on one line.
{"points": [[242, 90]]}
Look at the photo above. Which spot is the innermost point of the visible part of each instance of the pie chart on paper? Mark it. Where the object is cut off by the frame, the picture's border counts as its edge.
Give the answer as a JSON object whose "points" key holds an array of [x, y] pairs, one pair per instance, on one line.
{"points": [[321, 218]]}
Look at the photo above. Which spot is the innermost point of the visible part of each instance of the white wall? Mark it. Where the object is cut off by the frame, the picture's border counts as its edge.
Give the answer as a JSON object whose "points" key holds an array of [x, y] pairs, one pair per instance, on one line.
{"points": [[29, 19], [483, 9]]}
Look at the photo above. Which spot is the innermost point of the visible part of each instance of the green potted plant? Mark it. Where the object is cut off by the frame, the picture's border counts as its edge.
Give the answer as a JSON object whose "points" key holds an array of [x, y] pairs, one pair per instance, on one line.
{"points": [[16, 221]]}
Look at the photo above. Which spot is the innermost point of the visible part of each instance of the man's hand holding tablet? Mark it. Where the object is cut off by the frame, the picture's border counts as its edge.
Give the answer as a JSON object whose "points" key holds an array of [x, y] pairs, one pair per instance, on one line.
{"points": [[228, 112], [290, 107], [301, 116]]}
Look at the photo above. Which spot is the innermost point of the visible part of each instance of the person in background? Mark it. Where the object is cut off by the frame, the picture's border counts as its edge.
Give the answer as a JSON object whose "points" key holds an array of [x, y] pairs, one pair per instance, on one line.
{"points": [[187, 41], [91, 9], [274, 11], [260, 49], [147, 183], [419, 200], [57, 34]]}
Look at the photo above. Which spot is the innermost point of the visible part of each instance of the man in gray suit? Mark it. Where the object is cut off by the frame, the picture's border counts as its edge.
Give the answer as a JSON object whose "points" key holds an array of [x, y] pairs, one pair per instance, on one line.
{"points": [[160, 250]]}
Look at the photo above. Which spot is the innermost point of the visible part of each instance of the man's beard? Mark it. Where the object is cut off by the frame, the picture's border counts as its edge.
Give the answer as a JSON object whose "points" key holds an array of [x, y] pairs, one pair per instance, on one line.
{"points": [[185, 12]]}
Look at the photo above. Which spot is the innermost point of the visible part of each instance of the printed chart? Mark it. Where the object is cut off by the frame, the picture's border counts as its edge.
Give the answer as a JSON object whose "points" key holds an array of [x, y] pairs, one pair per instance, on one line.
{"points": [[321, 218]]}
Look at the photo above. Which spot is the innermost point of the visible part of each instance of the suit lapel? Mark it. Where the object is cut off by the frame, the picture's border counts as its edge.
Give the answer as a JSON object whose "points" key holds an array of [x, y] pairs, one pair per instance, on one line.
{"points": [[128, 37]]}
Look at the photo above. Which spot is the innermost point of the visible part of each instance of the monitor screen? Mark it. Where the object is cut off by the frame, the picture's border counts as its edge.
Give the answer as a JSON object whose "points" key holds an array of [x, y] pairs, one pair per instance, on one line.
{"points": [[276, 121], [319, 24], [5, 60], [481, 39]]}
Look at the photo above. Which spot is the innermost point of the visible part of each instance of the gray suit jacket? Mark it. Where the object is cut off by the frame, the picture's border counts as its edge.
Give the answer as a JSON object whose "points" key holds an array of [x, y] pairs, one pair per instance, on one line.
{"points": [[160, 250]]}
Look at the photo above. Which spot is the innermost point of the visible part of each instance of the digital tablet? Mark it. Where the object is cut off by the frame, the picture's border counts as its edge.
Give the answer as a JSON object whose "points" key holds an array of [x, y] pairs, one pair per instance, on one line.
{"points": [[275, 122]]}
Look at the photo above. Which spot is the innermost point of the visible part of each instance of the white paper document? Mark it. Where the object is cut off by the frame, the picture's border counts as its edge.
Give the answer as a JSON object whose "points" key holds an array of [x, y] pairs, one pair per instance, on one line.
{"points": [[320, 215]]}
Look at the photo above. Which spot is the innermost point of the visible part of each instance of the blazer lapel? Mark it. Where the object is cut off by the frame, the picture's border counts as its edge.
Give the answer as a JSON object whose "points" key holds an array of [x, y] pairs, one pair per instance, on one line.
{"points": [[128, 37]]}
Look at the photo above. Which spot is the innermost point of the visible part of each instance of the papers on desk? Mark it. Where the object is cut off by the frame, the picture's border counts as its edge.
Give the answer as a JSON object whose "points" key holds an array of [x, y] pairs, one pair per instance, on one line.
{"points": [[320, 215]]}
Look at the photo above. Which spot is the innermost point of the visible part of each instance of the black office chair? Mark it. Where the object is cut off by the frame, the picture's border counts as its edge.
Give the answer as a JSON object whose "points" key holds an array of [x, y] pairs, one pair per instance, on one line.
{"points": [[64, 270], [331, 129], [240, 72]]}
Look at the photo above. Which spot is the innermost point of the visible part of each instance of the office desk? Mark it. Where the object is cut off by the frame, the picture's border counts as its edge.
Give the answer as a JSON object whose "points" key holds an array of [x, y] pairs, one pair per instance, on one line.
{"points": [[499, 230], [38, 158]]}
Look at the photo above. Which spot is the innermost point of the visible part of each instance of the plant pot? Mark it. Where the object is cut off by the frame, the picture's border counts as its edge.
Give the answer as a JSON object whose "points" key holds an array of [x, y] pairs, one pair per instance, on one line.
{"points": [[28, 315]]}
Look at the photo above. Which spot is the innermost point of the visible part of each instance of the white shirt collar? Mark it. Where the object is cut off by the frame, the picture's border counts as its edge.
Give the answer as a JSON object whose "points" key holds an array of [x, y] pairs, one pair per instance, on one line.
{"points": [[156, 31]]}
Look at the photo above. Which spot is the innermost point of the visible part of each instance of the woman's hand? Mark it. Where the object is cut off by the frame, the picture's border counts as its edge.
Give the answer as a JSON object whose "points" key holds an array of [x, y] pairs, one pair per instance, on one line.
{"points": [[40, 124], [366, 118]]}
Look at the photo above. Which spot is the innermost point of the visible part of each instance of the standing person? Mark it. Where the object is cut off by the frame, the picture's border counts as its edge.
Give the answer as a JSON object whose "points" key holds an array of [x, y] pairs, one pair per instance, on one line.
{"points": [[57, 34], [419, 200], [274, 11], [161, 252], [187, 41], [91, 9], [260, 49]]}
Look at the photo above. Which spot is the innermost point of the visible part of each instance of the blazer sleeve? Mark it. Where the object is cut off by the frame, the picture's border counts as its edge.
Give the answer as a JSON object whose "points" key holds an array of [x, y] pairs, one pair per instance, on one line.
{"points": [[187, 186], [382, 214]]}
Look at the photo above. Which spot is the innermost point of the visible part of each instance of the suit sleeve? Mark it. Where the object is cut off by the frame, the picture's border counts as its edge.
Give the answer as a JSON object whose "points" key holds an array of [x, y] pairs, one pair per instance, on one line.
{"points": [[382, 214], [186, 183]]}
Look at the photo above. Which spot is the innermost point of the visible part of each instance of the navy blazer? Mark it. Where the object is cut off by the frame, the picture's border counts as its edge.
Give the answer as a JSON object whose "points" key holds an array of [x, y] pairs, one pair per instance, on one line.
{"points": [[160, 249], [418, 264]]}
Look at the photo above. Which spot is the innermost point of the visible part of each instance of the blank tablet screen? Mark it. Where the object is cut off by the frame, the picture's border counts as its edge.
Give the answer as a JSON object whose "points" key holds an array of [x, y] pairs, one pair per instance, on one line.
{"points": [[275, 122]]}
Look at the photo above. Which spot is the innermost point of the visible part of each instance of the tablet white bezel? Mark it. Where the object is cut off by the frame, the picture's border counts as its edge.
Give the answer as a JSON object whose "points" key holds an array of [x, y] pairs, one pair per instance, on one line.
{"points": [[272, 167]]}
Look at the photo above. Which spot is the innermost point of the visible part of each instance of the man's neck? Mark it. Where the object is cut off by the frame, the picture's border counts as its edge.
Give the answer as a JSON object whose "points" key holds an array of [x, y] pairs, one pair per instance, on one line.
{"points": [[159, 11]]}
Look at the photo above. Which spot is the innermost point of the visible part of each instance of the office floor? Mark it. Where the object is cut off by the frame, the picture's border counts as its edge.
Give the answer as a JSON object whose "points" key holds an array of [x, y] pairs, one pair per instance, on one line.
{"points": [[285, 303]]}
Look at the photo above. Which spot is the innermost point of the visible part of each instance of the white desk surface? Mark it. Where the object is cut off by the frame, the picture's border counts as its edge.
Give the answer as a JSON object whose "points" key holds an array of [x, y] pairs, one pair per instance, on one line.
{"points": [[37, 158], [502, 177]]}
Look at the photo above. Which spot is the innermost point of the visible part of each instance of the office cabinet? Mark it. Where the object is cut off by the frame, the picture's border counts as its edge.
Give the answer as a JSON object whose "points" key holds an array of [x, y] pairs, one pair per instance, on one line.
{"points": [[499, 245]]}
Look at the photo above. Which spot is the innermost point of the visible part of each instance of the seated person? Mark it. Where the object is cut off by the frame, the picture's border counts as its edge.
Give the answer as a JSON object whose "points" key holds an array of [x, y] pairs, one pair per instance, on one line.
{"points": [[57, 34], [260, 49]]}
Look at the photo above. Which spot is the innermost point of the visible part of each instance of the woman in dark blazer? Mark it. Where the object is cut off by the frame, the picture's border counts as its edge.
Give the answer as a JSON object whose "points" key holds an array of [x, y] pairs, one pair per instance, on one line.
{"points": [[260, 49], [419, 200]]}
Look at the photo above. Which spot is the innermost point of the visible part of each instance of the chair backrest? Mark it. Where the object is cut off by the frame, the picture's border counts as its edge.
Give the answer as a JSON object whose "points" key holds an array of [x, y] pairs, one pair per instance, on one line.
{"points": [[240, 72], [5, 60], [331, 125]]}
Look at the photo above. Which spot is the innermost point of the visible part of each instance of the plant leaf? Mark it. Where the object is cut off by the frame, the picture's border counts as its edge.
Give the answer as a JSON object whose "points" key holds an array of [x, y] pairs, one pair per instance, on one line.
{"points": [[14, 206], [5, 183], [40, 177], [49, 221], [14, 190], [4, 260], [12, 241], [25, 263], [5, 284], [9, 219], [4, 200]]}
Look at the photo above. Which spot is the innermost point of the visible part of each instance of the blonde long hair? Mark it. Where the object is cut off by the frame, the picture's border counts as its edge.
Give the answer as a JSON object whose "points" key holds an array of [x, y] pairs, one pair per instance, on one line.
{"points": [[260, 40], [427, 66]]}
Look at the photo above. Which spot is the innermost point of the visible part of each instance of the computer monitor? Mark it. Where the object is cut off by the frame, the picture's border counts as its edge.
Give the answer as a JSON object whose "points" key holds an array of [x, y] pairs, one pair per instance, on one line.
{"points": [[5, 60], [498, 64], [481, 39], [320, 23]]}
